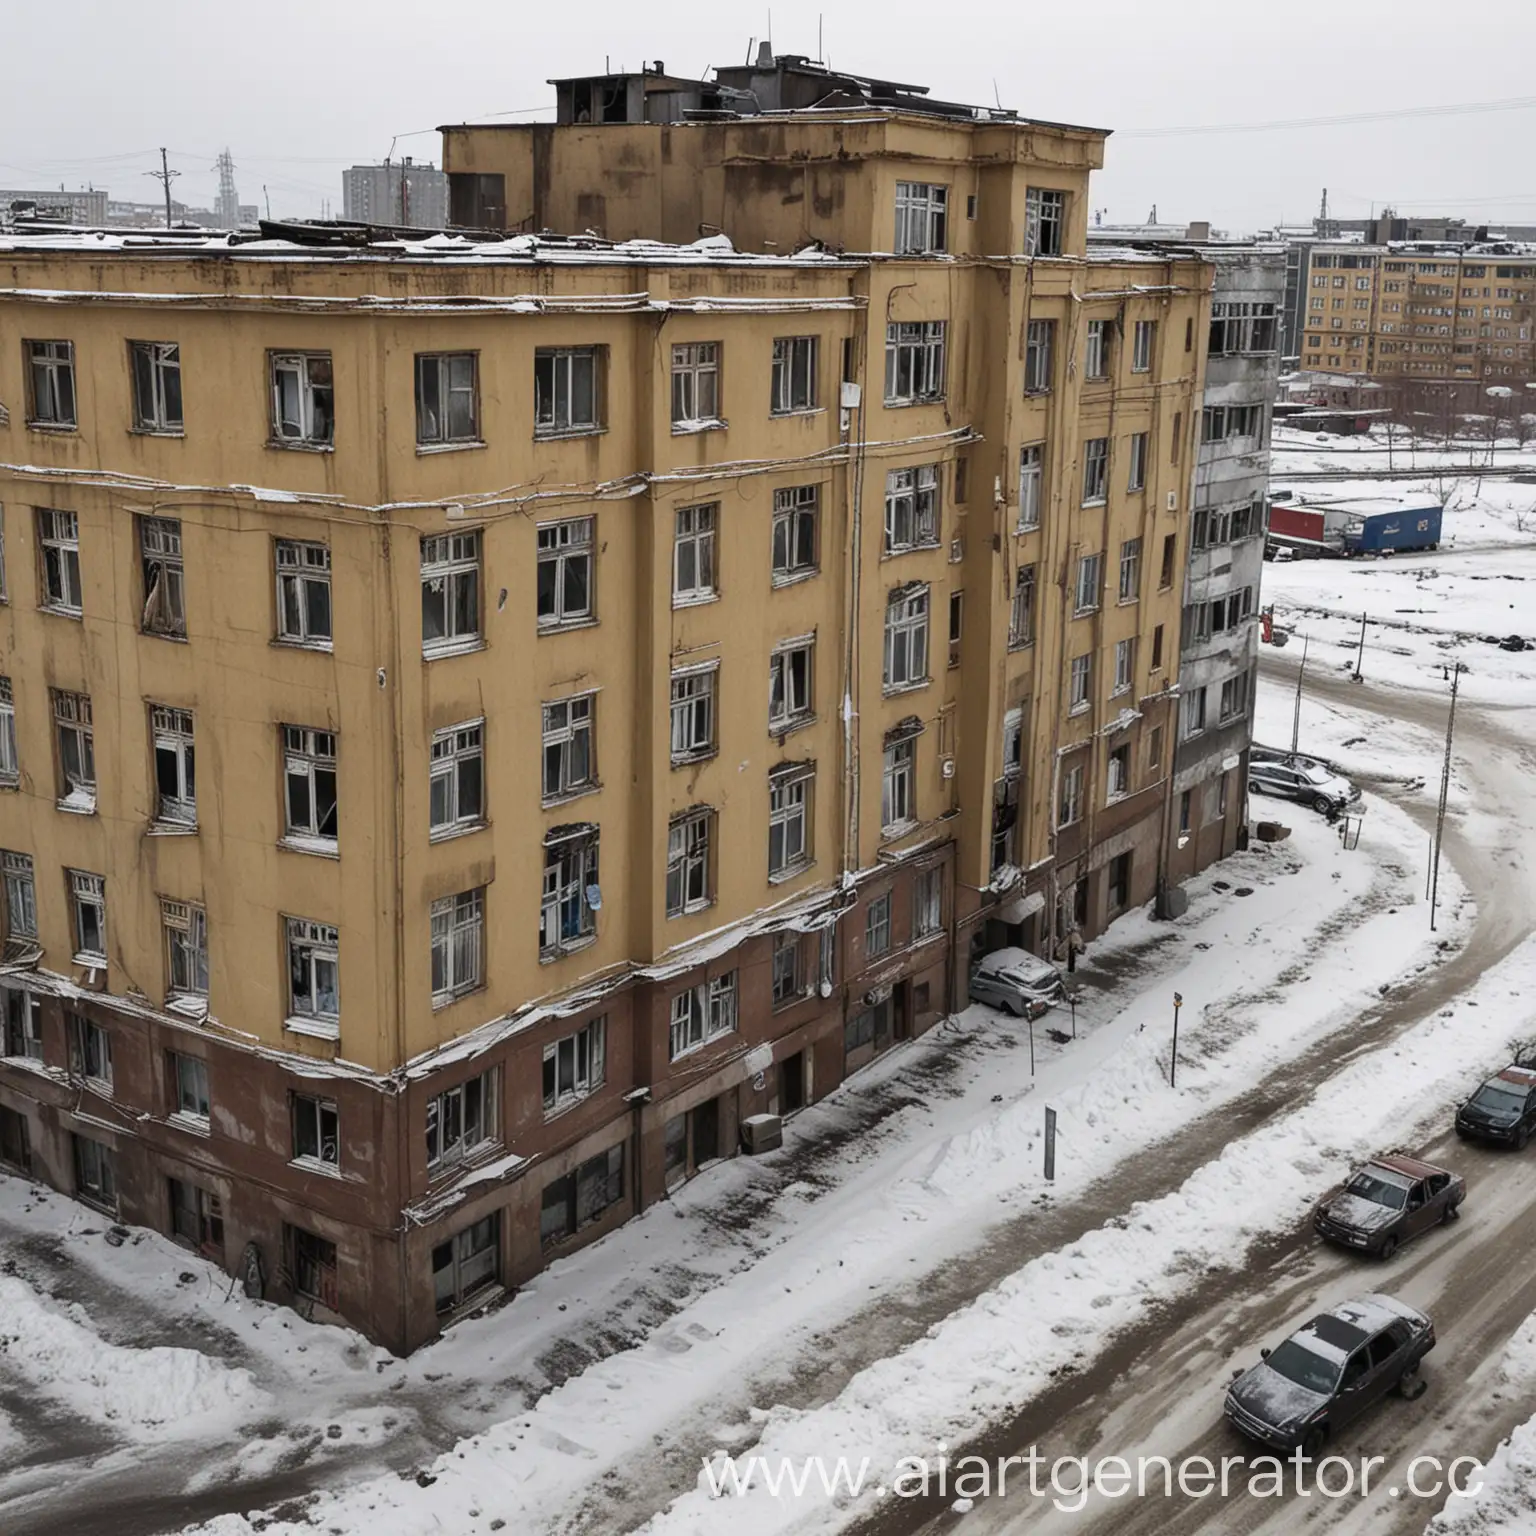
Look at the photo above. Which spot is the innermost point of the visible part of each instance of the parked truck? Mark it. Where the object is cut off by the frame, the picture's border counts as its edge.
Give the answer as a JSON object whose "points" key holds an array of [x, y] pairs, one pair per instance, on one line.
{"points": [[1298, 530], [1394, 533]]}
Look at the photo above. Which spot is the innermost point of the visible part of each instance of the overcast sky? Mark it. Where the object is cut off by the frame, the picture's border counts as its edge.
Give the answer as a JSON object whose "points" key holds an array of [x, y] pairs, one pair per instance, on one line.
{"points": [[297, 89]]}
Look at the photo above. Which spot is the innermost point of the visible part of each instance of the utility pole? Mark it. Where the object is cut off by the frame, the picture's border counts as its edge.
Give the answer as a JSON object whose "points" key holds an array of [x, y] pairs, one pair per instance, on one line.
{"points": [[1296, 719], [1445, 789], [165, 175]]}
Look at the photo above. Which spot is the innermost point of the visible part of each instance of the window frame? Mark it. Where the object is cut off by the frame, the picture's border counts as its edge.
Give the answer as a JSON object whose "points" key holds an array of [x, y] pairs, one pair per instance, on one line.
{"points": [[1039, 357], [151, 364], [1143, 344], [314, 421], [562, 546], [548, 421], [457, 934], [186, 960], [928, 902], [318, 1110], [1045, 221], [898, 786], [791, 792], [794, 385], [309, 755], [579, 721], [449, 1108], [10, 756], [1125, 667], [1031, 474], [690, 706], [709, 1010], [689, 882], [695, 544], [787, 709], [90, 1053], [1130, 571], [913, 496], [88, 891], [795, 508], [163, 571], [188, 1085], [299, 575], [587, 1049], [1136, 475], [21, 1028], [1081, 694], [877, 926], [1021, 608], [58, 530], [1095, 471], [1096, 351], [787, 983], [1088, 592], [922, 218], [906, 638], [571, 856], [74, 735], [312, 946], [451, 563], [1069, 809], [914, 362], [173, 732], [449, 753], [690, 371], [55, 362], [443, 435]]}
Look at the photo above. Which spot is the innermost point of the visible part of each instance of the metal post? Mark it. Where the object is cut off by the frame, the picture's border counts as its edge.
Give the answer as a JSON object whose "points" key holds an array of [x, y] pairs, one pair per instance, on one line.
{"points": [[1031, 1045], [1296, 719], [1173, 1061], [1072, 999], [1360, 654], [1445, 789]]}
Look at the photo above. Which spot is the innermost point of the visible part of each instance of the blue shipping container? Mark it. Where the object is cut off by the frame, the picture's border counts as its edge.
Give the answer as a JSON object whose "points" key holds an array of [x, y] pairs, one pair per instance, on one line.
{"points": [[1396, 532]]}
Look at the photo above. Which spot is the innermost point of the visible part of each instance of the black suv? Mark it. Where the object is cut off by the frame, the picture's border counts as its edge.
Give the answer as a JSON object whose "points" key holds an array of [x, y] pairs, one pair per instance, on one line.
{"points": [[1329, 1371], [1502, 1110]]}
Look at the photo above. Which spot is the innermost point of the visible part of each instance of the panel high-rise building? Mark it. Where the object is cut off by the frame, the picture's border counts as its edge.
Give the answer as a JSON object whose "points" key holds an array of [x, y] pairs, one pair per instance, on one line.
{"points": [[402, 193]]}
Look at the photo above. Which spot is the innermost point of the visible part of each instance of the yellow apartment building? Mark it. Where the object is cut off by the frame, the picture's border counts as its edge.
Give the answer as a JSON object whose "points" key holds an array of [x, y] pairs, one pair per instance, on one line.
{"points": [[489, 723]]}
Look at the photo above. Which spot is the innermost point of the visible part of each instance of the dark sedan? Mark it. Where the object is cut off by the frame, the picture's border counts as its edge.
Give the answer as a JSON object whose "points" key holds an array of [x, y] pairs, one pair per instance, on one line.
{"points": [[1503, 1110], [1388, 1201], [1329, 1372]]}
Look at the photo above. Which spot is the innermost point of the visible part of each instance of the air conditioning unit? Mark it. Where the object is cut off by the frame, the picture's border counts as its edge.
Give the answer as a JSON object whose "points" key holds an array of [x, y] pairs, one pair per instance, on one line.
{"points": [[946, 767], [1173, 501], [956, 551], [762, 1133]]}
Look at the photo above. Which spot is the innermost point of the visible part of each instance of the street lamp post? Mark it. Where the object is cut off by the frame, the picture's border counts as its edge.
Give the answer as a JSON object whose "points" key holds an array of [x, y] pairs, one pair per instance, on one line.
{"points": [[1173, 1061]]}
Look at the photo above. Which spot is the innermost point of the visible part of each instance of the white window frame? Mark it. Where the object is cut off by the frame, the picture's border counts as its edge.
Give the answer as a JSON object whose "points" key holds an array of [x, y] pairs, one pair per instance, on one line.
{"points": [[922, 214], [452, 749], [1031, 485], [787, 985], [914, 361], [90, 1053], [1045, 221], [1143, 340], [454, 1131], [578, 1064], [1118, 774], [695, 531], [898, 786], [314, 953], [317, 1111], [1095, 471], [312, 391], [912, 510], [1021, 609], [58, 534], [796, 522], [303, 570], [1082, 683], [569, 878], [308, 756], [1069, 810], [152, 364], [20, 895], [565, 724], [558, 410], [562, 546], [702, 1014], [906, 639], [1125, 666], [189, 1088], [1136, 476], [165, 577], [185, 925], [1096, 352], [1090, 583], [1192, 714], [790, 792], [88, 911], [457, 945], [877, 927], [173, 733], [21, 1028], [450, 568], [794, 385], [696, 384], [10, 762], [75, 740], [1130, 571], [689, 878], [928, 902], [692, 713], [791, 684], [1039, 357], [51, 394]]}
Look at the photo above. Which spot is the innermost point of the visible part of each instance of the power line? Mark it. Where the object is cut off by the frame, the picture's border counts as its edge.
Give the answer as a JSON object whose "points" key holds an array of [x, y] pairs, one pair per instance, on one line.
{"points": [[1338, 120]]}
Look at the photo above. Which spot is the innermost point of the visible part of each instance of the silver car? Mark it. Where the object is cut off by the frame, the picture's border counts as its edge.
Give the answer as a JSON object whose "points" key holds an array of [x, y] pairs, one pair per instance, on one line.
{"points": [[1017, 982], [1312, 784]]}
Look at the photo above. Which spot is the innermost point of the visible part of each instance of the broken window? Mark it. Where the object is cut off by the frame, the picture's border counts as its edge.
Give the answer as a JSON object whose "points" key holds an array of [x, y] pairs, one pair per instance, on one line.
{"points": [[51, 383], [450, 592], [461, 1119], [1095, 471], [570, 764], [23, 1024], [1045, 217], [703, 1013], [570, 1203], [186, 943], [1039, 349], [314, 974], [693, 554], [911, 508], [1170, 545], [1245, 327], [914, 361], [88, 901], [58, 537], [303, 592], [156, 386], [1070, 808], [794, 374], [1021, 612], [1119, 772], [20, 895], [791, 673], [95, 1173], [77, 751], [921, 213], [786, 968], [693, 713], [309, 777], [1125, 666], [312, 1267], [477, 201], [165, 599], [898, 784], [458, 941], [927, 902], [688, 871], [789, 810], [456, 784], [197, 1218], [571, 898], [90, 1053], [303, 409], [565, 586], [447, 398], [1031, 485], [565, 390], [795, 515], [175, 765], [574, 1066], [188, 1086], [696, 383], [467, 1264], [906, 638], [316, 1131]]}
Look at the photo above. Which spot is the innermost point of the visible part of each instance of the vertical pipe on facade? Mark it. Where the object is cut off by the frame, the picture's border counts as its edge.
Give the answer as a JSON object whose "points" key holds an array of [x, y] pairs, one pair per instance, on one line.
{"points": [[852, 652]]}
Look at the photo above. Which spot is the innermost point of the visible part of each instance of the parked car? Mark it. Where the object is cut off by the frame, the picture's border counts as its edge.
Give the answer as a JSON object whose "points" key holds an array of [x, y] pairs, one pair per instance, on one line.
{"points": [[1317, 786], [1291, 759], [1502, 1110], [1388, 1201], [1017, 982], [1329, 1371]]}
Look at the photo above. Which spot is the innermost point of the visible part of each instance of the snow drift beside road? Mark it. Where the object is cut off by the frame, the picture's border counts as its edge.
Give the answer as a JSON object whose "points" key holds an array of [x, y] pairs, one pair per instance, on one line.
{"points": [[145, 1393]]}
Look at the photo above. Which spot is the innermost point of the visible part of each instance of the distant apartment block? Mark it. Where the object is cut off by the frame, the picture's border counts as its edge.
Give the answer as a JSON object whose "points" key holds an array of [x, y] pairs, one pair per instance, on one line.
{"points": [[406, 193], [87, 205]]}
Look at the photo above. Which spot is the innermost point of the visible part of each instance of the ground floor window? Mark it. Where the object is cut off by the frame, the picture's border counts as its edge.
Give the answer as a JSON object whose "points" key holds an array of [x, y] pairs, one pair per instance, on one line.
{"points": [[312, 1266], [15, 1145], [582, 1196], [197, 1218], [96, 1173], [867, 1033], [467, 1263], [1120, 882]]}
